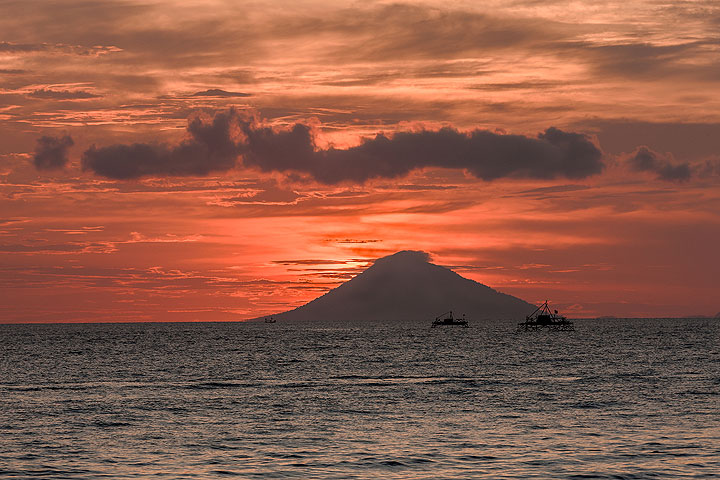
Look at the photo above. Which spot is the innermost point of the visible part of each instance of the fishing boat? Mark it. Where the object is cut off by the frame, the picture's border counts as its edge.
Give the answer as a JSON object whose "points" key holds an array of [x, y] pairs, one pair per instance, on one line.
{"points": [[270, 320], [545, 319], [447, 319]]}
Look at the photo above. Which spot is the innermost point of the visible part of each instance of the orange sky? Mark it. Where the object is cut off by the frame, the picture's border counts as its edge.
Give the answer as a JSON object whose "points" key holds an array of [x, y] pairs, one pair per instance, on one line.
{"points": [[219, 160]]}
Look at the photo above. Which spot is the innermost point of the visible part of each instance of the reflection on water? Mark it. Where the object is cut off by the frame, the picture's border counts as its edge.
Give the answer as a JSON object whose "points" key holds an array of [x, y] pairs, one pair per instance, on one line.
{"points": [[633, 399]]}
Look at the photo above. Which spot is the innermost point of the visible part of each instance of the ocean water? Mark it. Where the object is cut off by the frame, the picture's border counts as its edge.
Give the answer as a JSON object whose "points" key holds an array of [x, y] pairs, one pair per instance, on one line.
{"points": [[614, 399]]}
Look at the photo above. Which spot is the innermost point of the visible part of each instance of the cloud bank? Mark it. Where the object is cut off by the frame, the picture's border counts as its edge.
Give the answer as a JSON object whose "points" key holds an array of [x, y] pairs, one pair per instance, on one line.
{"points": [[215, 145], [216, 92], [46, 93], [211, 146], [646, 160], [484, 154], [51, 153]]}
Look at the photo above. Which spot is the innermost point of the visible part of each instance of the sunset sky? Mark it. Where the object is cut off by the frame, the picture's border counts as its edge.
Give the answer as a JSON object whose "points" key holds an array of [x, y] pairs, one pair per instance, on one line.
{"points": [[222, 160]]}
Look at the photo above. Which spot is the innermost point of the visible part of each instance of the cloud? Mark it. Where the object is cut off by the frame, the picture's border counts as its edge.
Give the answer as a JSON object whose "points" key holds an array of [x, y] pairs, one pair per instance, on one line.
{"points": [[266, 197], [527, 85], [62, 94], [310, 262], [57, 48], [69, 248], [8, 47], [211, 147], [216, 92], [636, 59], [645, 160], [484, 154], [553, 189], [421, 187], [215, 146], [51, 152], [710, 167], [692, 141], [408, 31], [383, 33]]}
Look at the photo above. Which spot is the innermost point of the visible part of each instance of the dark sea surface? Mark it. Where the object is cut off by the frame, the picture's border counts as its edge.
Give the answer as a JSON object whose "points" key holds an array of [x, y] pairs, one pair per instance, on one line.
{"points": [[614, 399]]}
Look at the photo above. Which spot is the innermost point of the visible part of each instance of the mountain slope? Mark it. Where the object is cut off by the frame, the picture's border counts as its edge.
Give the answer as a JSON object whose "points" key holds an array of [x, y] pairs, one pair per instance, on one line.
{"points": [[406, 286]]}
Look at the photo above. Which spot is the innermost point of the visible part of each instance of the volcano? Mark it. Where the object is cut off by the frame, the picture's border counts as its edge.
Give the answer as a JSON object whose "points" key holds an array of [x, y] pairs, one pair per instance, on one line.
{"points": [[407, 287]]}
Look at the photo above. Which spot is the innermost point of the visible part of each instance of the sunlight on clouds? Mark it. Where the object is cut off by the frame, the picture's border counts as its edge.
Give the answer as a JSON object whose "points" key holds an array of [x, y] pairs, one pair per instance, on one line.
{"points": [[247, 231]]}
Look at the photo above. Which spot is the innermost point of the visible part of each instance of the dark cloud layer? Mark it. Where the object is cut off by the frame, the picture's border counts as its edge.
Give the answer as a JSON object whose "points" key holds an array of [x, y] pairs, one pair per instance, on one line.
{"points": [[62, 94], [645, 160], [216, 92], [211, 147], [51, 153], [19, 48], [215, 146], [484, 154]]}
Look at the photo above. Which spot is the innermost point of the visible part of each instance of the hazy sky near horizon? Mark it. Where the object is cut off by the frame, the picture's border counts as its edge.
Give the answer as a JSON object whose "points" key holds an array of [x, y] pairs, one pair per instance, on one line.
{"points": [[222, 160]]}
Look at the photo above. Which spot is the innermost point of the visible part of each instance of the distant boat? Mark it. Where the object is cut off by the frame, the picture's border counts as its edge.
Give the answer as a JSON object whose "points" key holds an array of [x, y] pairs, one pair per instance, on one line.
{"points": [[544, 318], [447, 319], [270, 320]]}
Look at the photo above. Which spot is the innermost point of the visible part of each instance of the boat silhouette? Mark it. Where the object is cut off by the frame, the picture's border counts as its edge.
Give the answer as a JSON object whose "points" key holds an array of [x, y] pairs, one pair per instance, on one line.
{"points": [[545, 319], [447, 319]]}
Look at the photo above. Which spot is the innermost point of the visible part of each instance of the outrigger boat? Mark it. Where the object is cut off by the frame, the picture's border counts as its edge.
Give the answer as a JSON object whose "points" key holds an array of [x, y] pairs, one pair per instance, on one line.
{"points": [[447, 319], [544, 318]]}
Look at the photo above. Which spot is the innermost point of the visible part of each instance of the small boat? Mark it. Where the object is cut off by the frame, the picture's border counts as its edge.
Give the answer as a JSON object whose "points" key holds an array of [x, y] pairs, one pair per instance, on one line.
{"points": [[544, 318], [270, 320], [447, 319]]}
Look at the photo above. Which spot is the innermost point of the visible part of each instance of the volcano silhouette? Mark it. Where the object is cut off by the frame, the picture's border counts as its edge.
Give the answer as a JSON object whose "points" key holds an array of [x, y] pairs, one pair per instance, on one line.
{"points": [[404, 287]]}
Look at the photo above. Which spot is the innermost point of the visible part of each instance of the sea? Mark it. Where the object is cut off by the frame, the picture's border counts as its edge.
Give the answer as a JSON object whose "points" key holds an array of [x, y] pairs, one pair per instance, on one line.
{"points": [[615, 399]]}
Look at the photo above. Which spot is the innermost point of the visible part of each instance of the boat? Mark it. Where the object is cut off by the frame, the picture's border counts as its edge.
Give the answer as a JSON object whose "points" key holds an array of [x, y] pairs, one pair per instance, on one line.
{"points": [[545, 319], [447, 319], [270, 320]]}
